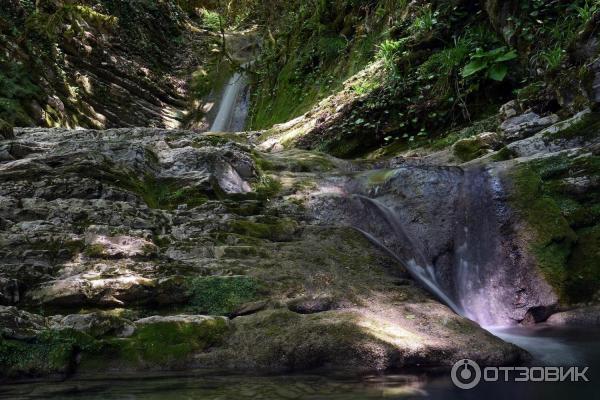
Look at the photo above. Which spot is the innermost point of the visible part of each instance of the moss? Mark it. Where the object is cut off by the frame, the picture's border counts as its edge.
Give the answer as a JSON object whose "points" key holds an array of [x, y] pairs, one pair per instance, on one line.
{"points": [[468, 149], [277, 230], [504, 154], [267, 187], [565, 222], [221, 295], [52, 352], [95, 251], [156, 193], [160, 344], [587, 127]]}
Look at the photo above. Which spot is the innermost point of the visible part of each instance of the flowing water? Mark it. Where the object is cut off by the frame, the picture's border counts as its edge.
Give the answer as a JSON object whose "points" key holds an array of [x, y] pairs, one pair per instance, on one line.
{"points": [[233, 108]]}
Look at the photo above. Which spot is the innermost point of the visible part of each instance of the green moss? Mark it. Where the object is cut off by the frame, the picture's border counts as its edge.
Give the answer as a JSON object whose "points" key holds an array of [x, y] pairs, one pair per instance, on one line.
{"points": [[51, 352], [267, 187], [95, 251], [565, 222], [156, 193], [468, 149], [221, 295], [504, 154], [160, 344], [587, 127], [279, 229]]}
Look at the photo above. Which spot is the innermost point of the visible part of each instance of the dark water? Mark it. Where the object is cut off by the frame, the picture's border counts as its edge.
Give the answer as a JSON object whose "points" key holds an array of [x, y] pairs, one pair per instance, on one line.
{"points": [[551, 346]]}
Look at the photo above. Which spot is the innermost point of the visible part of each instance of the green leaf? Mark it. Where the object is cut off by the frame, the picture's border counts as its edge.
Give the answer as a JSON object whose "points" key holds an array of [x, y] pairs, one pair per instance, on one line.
{"points": [[498, 72], [511, 55], [474, 67]]}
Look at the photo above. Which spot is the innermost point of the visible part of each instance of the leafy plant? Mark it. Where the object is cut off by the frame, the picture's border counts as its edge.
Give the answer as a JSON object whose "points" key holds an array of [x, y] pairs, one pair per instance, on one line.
{"points": [[494, 63], [588, 10], [211, 20], [424, 22], [553, 57], [389, 51]]}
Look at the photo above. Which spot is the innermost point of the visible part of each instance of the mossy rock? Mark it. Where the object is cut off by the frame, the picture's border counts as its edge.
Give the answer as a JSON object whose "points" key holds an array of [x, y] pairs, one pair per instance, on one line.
{"points": [[158, 342], [217, 295], [50, 353], [565, 222], [277, 230], [469, 149]]}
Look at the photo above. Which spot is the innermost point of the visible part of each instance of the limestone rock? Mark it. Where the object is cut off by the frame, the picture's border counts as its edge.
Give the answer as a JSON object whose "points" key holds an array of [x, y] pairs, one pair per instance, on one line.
{"points": [[527, 124], [94, 324]]}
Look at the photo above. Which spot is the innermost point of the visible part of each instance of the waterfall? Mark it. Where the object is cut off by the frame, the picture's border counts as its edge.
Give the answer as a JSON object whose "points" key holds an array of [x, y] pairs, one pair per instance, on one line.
{"points": [[415, 262], [482, 275], [233, 108]]}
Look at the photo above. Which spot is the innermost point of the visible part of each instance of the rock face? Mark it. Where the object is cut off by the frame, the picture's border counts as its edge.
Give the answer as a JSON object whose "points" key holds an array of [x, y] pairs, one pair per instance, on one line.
{"points": [[586, 317], [139, 223]]}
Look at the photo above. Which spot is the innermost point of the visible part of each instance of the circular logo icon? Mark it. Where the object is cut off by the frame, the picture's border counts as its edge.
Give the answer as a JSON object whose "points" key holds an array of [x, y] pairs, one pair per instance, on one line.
{"points": [[466, 374]]}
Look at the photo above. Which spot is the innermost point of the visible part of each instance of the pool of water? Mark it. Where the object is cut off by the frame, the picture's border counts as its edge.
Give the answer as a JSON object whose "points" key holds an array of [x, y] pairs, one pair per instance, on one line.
{"points": [[549, 346]]}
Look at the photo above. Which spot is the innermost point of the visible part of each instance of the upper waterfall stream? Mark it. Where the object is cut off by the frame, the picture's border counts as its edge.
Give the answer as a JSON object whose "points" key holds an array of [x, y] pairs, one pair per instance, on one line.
{"points": [[233, 107]]}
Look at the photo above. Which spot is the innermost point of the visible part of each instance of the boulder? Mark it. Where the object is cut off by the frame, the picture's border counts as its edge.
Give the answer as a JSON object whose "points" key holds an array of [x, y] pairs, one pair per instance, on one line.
{"points": [[584, 317]]}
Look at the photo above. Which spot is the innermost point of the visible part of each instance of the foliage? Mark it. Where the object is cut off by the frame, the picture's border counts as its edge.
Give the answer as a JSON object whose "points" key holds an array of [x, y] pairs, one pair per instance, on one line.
{"points": [[388, 51], [425, 22], [494, 63], [211, 20], [587, 11], [69, 19]]}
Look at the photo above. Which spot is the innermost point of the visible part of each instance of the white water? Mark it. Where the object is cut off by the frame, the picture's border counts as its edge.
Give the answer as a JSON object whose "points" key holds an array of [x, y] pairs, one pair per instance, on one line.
{"points": [[233, 107], [422, 271]]}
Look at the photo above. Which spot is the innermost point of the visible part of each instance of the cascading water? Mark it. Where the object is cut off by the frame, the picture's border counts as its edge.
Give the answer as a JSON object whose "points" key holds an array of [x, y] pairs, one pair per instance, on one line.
{"points": [[416, 264], [233, 108], [468, 260]]}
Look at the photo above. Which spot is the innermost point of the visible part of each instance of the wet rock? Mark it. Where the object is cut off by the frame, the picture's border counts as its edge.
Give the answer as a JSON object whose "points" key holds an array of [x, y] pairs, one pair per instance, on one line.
{"points": [[18, 324], [585, 316]]}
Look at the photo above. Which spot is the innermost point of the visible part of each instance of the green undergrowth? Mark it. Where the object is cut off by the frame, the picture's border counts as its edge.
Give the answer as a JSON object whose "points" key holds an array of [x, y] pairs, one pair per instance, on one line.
{"points": [[565, 220], [221, 295]]}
